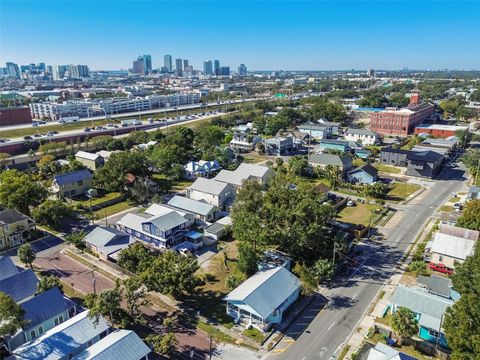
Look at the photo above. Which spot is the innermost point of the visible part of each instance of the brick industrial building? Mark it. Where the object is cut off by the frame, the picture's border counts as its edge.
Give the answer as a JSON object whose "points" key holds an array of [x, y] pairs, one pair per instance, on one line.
{"points": [[393, 121], [15, 116], [438, 130]]}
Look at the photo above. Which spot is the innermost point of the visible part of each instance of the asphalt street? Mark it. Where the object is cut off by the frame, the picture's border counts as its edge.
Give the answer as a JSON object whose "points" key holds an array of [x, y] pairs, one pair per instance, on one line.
{"points": [[350, 296]]}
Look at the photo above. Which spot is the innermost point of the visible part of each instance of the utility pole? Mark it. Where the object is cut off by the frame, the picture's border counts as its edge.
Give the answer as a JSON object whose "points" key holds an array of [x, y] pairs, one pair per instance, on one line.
{"points": [[210, 352], [476, 174], [93, 282], [334, 250]]}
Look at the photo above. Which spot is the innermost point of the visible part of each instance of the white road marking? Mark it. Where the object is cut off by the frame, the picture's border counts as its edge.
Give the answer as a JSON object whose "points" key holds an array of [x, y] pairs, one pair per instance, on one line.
{"points": [[331, 325]]}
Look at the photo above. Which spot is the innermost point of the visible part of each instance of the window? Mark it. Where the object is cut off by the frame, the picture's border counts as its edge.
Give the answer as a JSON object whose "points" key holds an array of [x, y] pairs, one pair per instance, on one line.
{"points": [[432, 333], [89, 343], [55, 321], [40, 330], [60, 318], [70, 356], [33, 335], [440, 258]]}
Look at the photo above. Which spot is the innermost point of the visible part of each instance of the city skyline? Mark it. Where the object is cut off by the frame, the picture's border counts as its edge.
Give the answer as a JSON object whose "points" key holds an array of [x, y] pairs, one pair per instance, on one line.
{"points": [[314, 35]]}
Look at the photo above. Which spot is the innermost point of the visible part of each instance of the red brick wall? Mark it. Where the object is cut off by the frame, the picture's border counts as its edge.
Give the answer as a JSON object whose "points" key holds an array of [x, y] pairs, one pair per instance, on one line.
{"points": [[15, 116]]}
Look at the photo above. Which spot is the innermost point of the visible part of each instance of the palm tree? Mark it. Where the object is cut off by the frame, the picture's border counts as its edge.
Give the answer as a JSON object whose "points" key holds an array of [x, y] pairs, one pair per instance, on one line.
{"points": [[404, 324]]}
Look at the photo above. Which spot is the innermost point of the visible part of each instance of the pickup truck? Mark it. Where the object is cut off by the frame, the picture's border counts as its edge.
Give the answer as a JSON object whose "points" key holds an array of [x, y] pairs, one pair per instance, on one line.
{"points": [[440, 268]]}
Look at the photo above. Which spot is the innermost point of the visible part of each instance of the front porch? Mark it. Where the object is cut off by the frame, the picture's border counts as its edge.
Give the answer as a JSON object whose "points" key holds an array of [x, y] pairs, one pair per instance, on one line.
{"points": [[246, 318]]}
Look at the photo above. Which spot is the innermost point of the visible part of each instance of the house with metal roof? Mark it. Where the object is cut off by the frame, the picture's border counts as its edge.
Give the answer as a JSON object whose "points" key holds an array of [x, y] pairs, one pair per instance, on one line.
{"points": [[365, 174], [428, 308], [66, 340], [363, 136], [200, 208], [7, 267], [72, 184], [448, 250], [20, 286], [279, 146], [324, 160], [261, 300], [119, 344], [42, 313], [215, 231], [438, 285], [201, 168], [93, 161], [214, 192], [316, 131], [262, 174], [162, 231], [107, 242], [13, 225], [384, 352], [337, 145]]}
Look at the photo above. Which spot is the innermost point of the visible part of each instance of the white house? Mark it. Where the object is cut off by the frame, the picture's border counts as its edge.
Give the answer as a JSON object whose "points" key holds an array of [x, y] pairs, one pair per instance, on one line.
{"points": [[201, 168], [262, 174], [366, 137], [214, 192]]}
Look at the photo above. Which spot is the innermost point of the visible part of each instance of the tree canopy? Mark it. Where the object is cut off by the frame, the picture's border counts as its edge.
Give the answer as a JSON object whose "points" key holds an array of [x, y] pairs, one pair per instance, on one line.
{"points": [[470, 218], [11, 315], [51, 213], [26, 254]]}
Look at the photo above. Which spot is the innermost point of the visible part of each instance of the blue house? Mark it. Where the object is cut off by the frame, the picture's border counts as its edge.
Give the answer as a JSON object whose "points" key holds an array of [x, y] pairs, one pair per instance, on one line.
{"points": [[120, 344], [262, 299], [339, 145], [42, 313], [66, 340], [428, 308], [316, 131], [161, 231], [365, 174], [21, 286]]}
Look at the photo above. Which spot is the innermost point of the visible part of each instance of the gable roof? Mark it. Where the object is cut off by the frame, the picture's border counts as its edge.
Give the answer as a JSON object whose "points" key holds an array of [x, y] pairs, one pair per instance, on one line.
{"points": [[108, 240], [11, 216], [329, 159], [73, 176], [120, 344], [360, 132], [63, 339], [395, 151], [384, 352], [459, 232], [87, 155], [313, 127], [167, 221], [436, 284], [7, 267], [20, 286], [45, 306], [452, 246], [266, 290], [194, 206], [427, 156], [367, 168], [430, 306], [209, 186]]}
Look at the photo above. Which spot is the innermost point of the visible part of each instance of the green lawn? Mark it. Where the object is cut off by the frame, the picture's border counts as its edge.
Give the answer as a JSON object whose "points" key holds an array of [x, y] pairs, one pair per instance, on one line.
{"points": [[401, 191], [112, 209], [167, 183], [99, 200], [387, 169], [253, 158], [254, 334], [359, 214], [358, 162]]}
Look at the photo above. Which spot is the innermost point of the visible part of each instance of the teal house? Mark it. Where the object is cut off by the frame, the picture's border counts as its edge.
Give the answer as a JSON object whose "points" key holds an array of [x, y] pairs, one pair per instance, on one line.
{"points": [[262, 299], [429, 309], [338, 145], [42, 312], [365, 174]]}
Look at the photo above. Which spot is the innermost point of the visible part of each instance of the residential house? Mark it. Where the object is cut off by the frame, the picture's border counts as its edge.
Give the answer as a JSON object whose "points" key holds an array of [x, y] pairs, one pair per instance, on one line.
{"points": [[201, 168], [428, 308], [394, 157], [365, 174], [42, 313], [261, 300], [438, 285], [216, 230], [363, 136], [72, 184], [244, 142], [161, 232], [119, 344], [362, 153], [66, 340], [459, 232], [13, 225], [424, 163], [262, 174], [324, 160], [316, 131], [107, 242], [200, 208], [337, 145], [473, 193], [19, 284], [334, 127], [384, 352], [214, 192], [448, 250], [279, 146], [90, 160]]}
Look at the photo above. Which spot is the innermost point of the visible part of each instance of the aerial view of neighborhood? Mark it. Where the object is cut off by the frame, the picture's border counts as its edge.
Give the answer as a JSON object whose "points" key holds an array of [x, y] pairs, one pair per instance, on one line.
{"points": [[239, 180]]}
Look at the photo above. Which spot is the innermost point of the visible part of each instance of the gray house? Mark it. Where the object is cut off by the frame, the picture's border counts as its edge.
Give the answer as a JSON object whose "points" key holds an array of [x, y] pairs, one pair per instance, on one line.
{"points": [[365, 174], [279, 146], [394, 157], [424, 163], [200, 208], [323, 160]]}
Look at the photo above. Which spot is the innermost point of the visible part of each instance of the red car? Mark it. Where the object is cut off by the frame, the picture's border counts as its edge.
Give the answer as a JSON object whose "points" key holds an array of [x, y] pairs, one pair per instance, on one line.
{"points": [[440, 268]]}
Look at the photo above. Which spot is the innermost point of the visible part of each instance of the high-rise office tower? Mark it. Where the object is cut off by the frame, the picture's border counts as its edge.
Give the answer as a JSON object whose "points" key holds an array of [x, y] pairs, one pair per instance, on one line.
{"points": [[224, 71], [178, 67], [12, 69], [83, 71], [148, 63], [58, 72], [216, 67], [167, 63], [207, 67], [41, 67], [185, 63], [73, 71], [242, 70], [139, 66], [371, 73]]}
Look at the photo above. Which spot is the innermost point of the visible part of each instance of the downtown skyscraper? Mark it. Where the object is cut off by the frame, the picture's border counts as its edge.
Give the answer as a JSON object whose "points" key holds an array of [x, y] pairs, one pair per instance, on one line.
{"points": [[167, 63]]}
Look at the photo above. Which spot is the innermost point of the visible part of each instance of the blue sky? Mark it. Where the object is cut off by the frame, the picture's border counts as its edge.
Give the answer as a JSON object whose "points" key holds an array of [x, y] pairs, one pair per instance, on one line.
{"points": [[292, 35]]}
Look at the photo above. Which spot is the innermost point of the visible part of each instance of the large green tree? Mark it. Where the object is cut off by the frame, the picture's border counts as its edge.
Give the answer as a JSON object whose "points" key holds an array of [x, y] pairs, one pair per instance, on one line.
{"points": [[462, 320], [171, 273], [106, 304], [470, 218], [48, 282], [135, 258], [111, 176], [471, 159], [208, 138], [11, 315], [404, 324], [51, 213], [26, 254], [135, 295], [19, 191]]}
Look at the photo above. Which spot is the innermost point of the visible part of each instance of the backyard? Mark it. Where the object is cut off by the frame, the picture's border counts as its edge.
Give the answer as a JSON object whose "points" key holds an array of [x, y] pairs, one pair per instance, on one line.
{"points": [[400, 191], [360, 214], [387, 169]]}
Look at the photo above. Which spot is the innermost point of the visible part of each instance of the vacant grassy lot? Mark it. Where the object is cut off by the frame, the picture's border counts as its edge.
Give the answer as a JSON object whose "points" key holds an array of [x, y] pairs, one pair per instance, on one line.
{"points": [[98, 200], [174, 185], [387, 169], [253, 157], [401, 191], [359, 214], [112, 209]]}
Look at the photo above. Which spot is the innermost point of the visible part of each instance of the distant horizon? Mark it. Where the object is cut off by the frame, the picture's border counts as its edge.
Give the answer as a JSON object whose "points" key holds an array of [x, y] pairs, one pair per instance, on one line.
{"points": [[263, 35]]}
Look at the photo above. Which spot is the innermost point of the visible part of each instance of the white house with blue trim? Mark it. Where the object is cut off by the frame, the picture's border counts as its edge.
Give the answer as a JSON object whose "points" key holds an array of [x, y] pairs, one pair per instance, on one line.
{"points": [[261, 300], [365, 174]]}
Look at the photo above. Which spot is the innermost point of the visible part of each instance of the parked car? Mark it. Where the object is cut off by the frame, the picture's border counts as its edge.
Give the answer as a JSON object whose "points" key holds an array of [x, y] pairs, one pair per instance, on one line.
{"points": [[87, 129], [440, 268], [37, 135], [27, 138], [350, 203], [454, 165], [2, 141]]}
